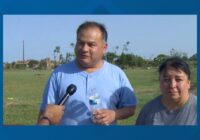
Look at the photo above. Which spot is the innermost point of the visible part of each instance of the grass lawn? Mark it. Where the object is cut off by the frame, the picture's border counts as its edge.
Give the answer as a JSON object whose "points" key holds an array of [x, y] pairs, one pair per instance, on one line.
{"points": [[22, 95], [23, 89]]}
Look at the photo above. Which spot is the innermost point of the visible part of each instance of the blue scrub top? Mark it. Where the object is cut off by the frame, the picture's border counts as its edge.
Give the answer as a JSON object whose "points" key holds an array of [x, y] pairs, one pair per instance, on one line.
{"points": [[109, 82]]}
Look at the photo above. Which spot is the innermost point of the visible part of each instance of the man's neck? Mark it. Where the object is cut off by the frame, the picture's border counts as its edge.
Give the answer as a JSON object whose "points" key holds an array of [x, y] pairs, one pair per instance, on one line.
{"points": [[90, 69]]}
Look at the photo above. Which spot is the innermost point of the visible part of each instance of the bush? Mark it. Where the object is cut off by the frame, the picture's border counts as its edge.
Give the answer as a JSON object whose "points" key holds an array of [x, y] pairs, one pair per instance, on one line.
{"points": [[20, 66]]}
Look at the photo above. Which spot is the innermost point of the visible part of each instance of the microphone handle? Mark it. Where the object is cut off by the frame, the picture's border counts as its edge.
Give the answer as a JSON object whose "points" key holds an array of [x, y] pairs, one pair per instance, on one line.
{"points": [[63, 100]]}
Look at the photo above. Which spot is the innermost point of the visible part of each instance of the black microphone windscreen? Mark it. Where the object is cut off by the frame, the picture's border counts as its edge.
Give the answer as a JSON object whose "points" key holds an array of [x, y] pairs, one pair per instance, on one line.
{"points": [[71, 89]]}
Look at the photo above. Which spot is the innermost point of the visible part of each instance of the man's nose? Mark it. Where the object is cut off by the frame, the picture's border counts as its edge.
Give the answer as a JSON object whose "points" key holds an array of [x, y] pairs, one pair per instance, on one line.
{"points": [[85, 47]]}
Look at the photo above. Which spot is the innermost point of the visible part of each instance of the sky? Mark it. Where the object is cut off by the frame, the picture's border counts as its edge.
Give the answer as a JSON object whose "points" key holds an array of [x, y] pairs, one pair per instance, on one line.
{"points": [[149, 35]]}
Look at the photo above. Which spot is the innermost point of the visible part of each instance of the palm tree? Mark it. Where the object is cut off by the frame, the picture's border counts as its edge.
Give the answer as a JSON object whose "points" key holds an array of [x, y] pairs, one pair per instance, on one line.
{"points": [[56, 53], [125, 47], [57, 50], [72, 45]]}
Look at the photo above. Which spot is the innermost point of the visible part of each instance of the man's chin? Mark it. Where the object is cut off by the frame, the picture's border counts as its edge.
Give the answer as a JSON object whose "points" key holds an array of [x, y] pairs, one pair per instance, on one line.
{"points": [[84, 63]]}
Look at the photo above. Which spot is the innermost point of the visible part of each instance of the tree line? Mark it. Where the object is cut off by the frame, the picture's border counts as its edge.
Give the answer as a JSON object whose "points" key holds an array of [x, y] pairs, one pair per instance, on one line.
{"points": [[120, 56]]}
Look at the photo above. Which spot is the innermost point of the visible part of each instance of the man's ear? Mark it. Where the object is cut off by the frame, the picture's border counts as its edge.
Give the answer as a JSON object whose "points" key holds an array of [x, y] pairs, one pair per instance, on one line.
{"points": [[105, 48]]}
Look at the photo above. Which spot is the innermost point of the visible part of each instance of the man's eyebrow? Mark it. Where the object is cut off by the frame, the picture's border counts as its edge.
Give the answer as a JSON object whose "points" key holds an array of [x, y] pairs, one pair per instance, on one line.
{"points": [[79, 40], [92, 42]]}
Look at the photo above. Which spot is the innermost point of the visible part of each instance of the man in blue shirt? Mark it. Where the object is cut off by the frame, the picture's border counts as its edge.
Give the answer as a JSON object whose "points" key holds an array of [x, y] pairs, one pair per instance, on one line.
{"points": [[89, 72]]}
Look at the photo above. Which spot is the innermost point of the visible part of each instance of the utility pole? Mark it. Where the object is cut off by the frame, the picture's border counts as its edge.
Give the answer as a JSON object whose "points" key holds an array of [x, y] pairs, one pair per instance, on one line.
{"points": [[23, 52]]}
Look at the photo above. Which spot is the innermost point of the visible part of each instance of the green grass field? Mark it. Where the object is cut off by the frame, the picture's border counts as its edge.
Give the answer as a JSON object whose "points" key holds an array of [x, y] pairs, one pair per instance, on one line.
{"points": [[23, 89]]}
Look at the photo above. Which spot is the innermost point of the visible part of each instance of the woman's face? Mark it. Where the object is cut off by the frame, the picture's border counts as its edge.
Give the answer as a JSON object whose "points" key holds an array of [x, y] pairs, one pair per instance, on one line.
{"points": [[174, 84]]}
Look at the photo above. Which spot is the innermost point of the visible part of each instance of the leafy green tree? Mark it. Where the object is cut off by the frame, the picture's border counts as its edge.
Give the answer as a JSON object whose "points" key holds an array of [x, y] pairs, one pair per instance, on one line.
{"points": [[13, 64], [7, 66], [111, 57], [193, 57], [43, 64], [32, 63], [175, 53], [159, 59], [193, 60]]}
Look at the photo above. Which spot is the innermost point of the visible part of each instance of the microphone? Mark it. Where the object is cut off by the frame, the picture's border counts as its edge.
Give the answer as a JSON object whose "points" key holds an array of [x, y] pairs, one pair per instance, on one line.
{"points": [[70, 91]]}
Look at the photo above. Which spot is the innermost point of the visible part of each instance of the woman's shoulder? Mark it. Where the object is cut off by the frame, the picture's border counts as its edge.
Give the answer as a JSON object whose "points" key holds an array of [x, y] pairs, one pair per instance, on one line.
{"points": [[193, 99], [153, 105]]}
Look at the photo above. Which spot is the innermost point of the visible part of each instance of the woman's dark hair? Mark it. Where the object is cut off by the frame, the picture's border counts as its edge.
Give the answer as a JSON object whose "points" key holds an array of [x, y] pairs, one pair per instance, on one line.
{"points": [[177, 63], [87, 24]]}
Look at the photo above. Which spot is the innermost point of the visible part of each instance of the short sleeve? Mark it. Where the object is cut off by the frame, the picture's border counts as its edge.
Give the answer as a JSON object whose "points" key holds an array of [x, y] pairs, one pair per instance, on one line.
{"points": [[49, 95], [126, 93]]}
